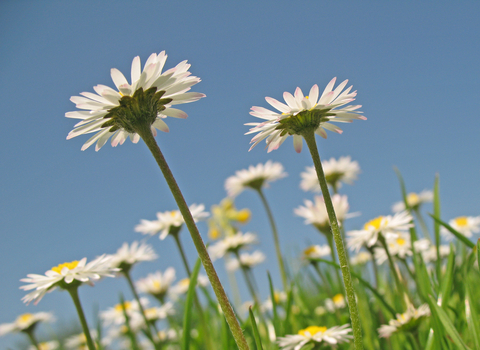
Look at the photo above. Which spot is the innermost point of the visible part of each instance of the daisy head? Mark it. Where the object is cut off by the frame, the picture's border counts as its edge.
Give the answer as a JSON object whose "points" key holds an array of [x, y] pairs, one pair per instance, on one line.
{"points": [[247, 261], [407, 321], [182, 286], [170, 222], [316, 335], [388, 226], [361, 258], [303, 114], [47, 345], [157, 284], [316, 252], [79, 341], [115, 315], [466, 225], [254, 177], [343, 170], [399, 246], [26, 322], [225, 218], [414, 201], [145, 102], [66, 276], [127, 256], [337, 302], [231, 244]]}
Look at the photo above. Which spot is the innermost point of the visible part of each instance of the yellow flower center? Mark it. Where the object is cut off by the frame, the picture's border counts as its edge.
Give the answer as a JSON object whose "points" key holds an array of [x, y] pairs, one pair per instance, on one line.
{"points": [[243, 216], [185, 282], [338, 299], [312, 330], [69, 265], [227, 203], [44, 346], [413, 199], [310, 250], [401, 241], [214, 233], [375, 223], [461, 221], [276, 297], [25, 318], [173, 213], [119, 307], [156, 284]]}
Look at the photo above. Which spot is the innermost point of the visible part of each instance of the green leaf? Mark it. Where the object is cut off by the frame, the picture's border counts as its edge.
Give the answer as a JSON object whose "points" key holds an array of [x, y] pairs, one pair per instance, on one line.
{"points": [[436, 225], [256, 335], [187, 316], [447, 280], [473, 319], [276, 319], [460, 237]]}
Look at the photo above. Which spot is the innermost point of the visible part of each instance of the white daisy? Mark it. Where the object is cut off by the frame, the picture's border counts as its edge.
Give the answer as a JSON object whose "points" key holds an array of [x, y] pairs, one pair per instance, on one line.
{"points": [[114, 315], [79, 341], [414, 200], [316, 213], [409, 320], [466, 225], [254, 177], [336, 171], [400, 246], [157, 284], [182, 286], [278, 126], [48, 345], [170, 222], [64, 274], [231, 244], [224, 218], [386, 225], [158, 92], [316, 335], [361, 258], [280, 297], [152, 314], [429, 251], [316, 252], [126, 255], [246, 260], [26, 322], [337, 302]]}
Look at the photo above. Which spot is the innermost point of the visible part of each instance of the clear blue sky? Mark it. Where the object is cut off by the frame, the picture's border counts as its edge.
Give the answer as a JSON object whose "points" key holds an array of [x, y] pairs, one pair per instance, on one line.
{"points": [[415, 66]]}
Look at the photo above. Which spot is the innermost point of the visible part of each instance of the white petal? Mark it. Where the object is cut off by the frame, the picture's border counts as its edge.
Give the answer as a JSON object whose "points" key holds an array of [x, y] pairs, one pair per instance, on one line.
{"points": [[136, 70], [118, 78]]}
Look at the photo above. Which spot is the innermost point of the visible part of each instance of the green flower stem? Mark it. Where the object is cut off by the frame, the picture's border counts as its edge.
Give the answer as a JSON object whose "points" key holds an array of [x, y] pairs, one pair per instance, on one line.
{"points": [[148, 331], [375, 267], [334, 257], [32, 338], [309, 137], [76, 300], [426, 234], [146, 134], [323, 278], [275, 239], [250, 286]]}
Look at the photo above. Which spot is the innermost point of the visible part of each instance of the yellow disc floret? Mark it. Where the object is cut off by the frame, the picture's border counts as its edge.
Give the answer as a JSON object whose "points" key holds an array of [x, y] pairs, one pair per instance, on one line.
{"points": [[24, 319], [310, 250], [69, 265], [375, 223], [413, 200], [312, 330], [243, 216], [461, 221], [119, 307], [401, 241]]}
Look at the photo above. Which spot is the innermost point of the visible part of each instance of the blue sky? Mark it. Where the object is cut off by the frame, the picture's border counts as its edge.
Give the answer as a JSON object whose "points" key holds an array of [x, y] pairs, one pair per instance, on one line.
{"points": [[415, 66]]}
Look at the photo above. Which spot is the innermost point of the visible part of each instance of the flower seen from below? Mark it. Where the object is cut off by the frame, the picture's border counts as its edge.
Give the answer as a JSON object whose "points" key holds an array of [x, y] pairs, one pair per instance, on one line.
{"points": [[317, 336], [408, 321], [254, 177], [466, 225], [231, 244], [48, 345], [115, 315], [225, 217], [247, 260], [182, 286], [79, 341], [343, 170], [316, 252], [170, 222], [304, 112], [385, 225], [157, 284], [67, 275], [429, 251], [337, 302], [126, 256], [361, 258], [399, 246], [26, 322], [149, 99], [414, 201]]}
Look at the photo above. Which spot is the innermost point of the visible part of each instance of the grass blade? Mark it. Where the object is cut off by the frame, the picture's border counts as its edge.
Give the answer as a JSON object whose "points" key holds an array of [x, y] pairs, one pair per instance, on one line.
{"points": [[256, 335], [187, 316], [457, 234]]}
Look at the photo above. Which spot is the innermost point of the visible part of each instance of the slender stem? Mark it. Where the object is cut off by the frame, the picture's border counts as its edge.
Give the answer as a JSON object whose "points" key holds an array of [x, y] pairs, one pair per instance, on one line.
{"points": [[334, 257], [323, 278], [146, 135], [423, 225], [251, 289], [309, 137], [399, 284], [32, 338], [76, 300], [182, 254], [275, 239], [375, 267]]}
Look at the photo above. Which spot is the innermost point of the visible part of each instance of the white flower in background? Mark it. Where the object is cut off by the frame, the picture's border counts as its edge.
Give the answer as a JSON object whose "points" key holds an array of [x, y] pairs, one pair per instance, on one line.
{"points": [[337, 302], [26, 322], [254, 177], [316, 213], [466, 225], [64, 274], [361, 258], [157, 284], [388, 226], [160, 91], [79, 341], [343, 170], [429, 251], [231, 244], [126, 256], [399, 246], [316, 335], [316, 252], [246, 260], [170, 222], [152, 314], [409, 320], [114, 315], [280, 297], [182, 286], [278, 126], [48, 345], [414, 200]]}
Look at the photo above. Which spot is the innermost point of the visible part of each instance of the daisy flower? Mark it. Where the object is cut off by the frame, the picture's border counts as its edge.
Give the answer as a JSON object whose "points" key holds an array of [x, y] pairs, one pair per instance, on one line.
{"points": [[246, 260], [114, 315], [361, 258], [157, 284], [112, 113], [170, 222], [26, 322], [254, 177], [79, 341], [337, 302], [224, 218], [67, 275], [397, 246], [343, 170], [231, 244], [302, 112], [316, 252], [317, 336], [152, 315], [316, 213], [466, 225], [407, 321], [386, 225], [182, 286], [126, 256], [429, 251], [280, 297], [48, 345], [414, 200]]}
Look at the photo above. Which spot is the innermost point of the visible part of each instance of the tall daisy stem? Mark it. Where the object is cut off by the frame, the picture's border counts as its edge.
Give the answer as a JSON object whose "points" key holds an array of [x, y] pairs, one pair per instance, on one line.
{"points": [[309, 137], [146, 134], [32, 338], [76, 300], [275, 239]]}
